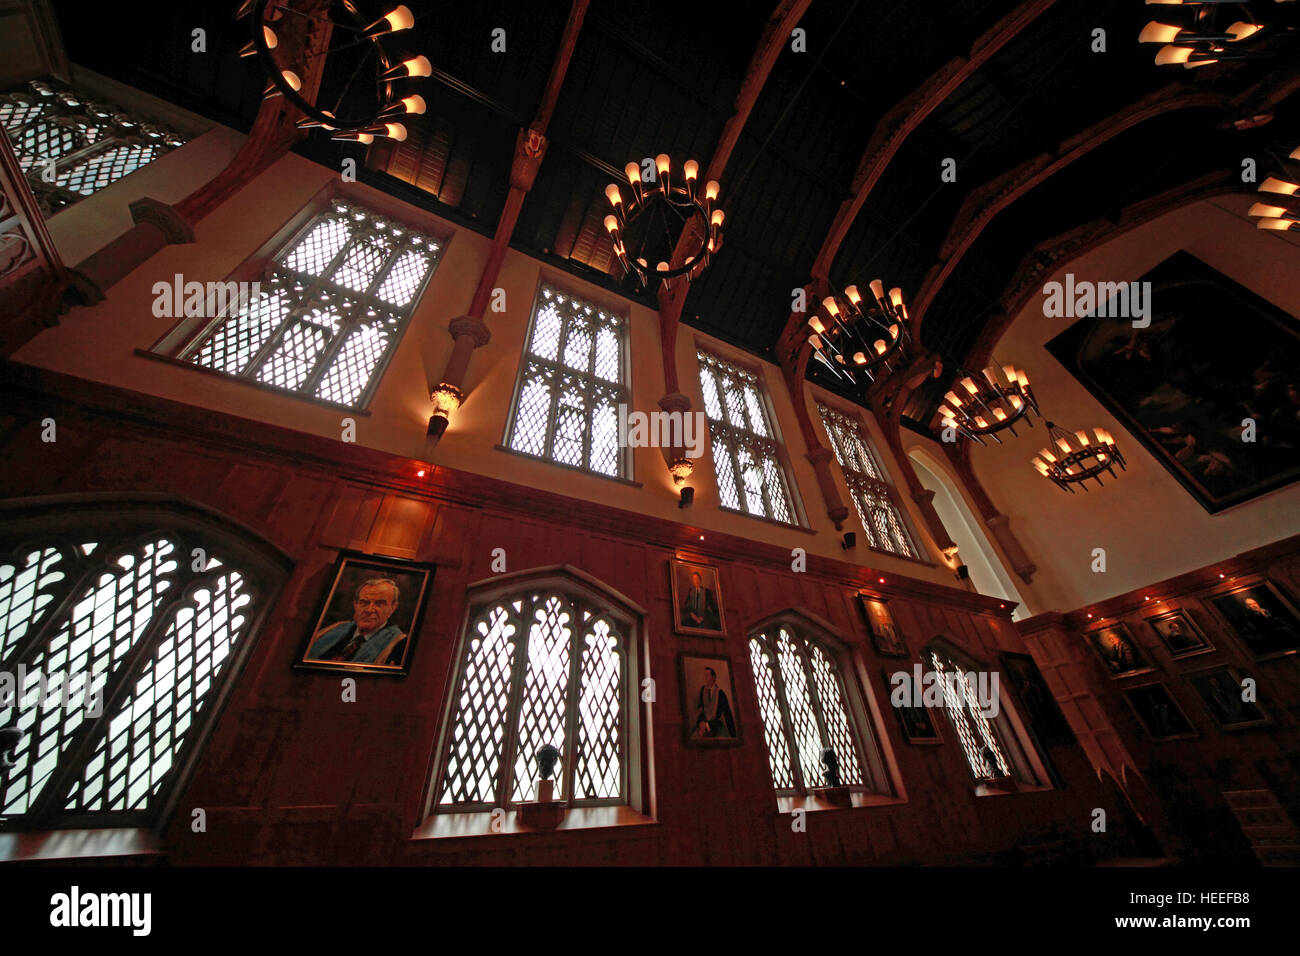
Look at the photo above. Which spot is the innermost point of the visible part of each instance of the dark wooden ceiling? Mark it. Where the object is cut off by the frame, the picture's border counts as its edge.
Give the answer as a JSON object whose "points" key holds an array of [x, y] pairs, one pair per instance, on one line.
{"points": [[663, 77]]}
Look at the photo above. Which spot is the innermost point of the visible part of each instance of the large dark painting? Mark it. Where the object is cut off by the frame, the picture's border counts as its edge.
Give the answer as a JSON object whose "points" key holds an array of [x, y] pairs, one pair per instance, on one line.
{"points": [[1214, 354]]}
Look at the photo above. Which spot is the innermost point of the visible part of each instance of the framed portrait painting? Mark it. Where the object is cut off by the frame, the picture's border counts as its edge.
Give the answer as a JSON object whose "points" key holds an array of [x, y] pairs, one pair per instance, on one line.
{"points": [[1261, 617], [880, 624], [369, 616], [709, 716], [1227, 701], [1117, 650], [914, 718], [1179, 634], [1043, 713], [1159, 713], [1182, 394], [697, 599]]}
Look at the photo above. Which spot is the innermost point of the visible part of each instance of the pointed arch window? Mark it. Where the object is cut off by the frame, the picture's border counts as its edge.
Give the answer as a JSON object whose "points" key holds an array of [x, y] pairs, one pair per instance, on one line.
{"points": [[327, 317], [994, 747], [121, 634], [546, 664], [807, 706]]}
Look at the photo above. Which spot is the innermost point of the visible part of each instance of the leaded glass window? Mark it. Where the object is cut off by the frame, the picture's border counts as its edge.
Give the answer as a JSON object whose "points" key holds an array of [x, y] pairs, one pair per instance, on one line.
{"points": [[330, 311], [571, 383], [70, 147], [538, 667], [979, 739], [115, 646], [804, 705], [746, 450], [869, 486]]}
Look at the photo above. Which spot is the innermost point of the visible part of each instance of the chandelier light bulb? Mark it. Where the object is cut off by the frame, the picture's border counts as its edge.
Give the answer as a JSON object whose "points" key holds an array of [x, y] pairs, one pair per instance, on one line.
{"points": [[272, 41], [815, 341], [877, 289], [1241, 30], [414, 104], [661, 164], [611, 224], [691, 170], [613, 195], [1277, 225], [711, 190], [880, 346], [896, 297], [952, 399], [969, 384], [860, 358], [716, 218], [1173, 55], [852, 294], [1280, 186], [633, 173], [831, 306], [395, 131], [1046, 455], [291, 78], [816, 324], [1155, 32], [1263, 209]]}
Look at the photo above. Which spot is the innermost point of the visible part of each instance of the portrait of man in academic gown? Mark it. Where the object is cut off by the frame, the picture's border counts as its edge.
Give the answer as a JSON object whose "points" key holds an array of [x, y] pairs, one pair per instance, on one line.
{"points": [[367, 638], [713, 719]]}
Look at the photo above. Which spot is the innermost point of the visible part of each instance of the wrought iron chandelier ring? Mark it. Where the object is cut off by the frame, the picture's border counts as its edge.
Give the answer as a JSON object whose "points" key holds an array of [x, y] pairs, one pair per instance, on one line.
{"points": [[697, 210], [990, 406], [886, 325], [1069, 465], [284, 81]]}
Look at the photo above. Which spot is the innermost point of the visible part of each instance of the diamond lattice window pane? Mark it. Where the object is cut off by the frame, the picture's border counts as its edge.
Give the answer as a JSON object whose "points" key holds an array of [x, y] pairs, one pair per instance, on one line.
{"points": [[546, 690], [728, 490], [298, 351], [132, 759], [712, 406], [318, 248], [105, 622], [960, 704], [362, 262], [769, 708], [478, 731], [570, 424], [234, 343], [608, 357], [598, 774], [404, 278], [577, 346], [25, 593], [532, 414], [604, 436], [96, 172], [547, 326], [807, 736], [350, 372], [44, 142], [16, 113], [826, 681]]}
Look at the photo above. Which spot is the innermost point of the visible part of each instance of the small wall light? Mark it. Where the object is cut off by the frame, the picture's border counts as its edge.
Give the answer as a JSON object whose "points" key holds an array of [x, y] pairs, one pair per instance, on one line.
{"points": [[850, 540], [688, 496], [963, 572], [681, 469], [446, 399]]}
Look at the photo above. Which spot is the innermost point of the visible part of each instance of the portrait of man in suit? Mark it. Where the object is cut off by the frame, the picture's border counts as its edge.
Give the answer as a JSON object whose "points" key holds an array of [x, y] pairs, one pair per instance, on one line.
{"points": [[368, 638], [1117, 650], [697, 605]]}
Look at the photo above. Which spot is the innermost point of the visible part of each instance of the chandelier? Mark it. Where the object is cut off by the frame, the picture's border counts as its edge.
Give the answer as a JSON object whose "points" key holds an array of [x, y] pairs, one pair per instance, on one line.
{"points": [[988, 405], [658, 213], [359, 115], [863, 337], [1200, 32], [1073, 464], [1279, 208]]}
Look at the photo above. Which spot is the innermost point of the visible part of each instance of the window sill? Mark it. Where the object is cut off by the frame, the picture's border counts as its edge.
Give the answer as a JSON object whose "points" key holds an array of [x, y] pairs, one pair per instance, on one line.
{"points": [[771, 521], [1008, 789], [573, 468], [252, 383], [70, 845], [811, 803], [447, 826], [901, 557]]}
